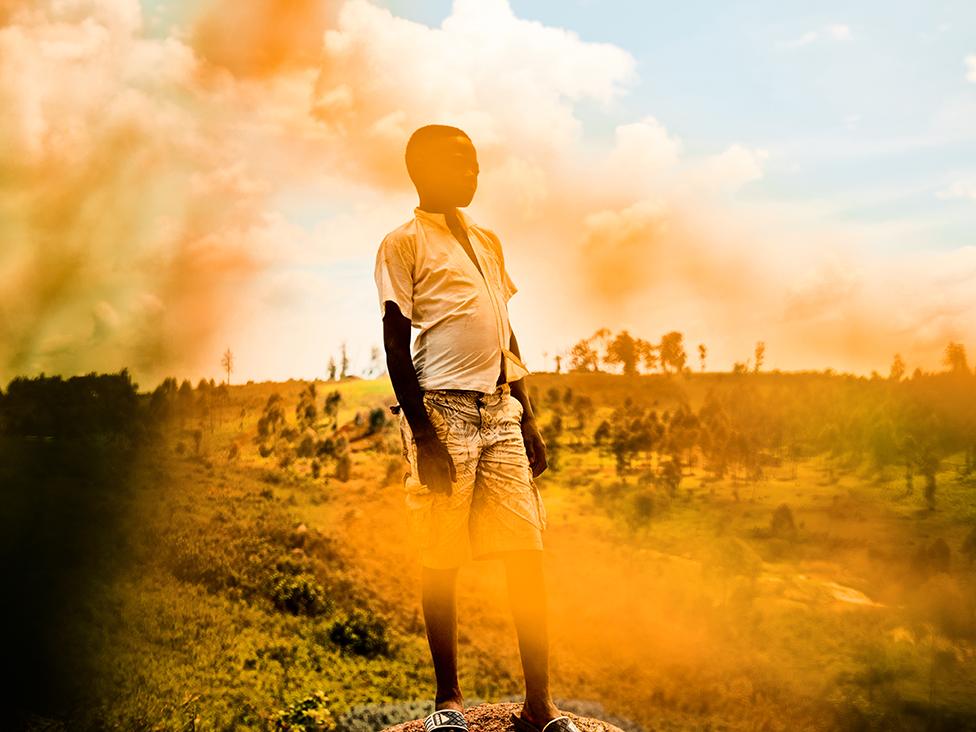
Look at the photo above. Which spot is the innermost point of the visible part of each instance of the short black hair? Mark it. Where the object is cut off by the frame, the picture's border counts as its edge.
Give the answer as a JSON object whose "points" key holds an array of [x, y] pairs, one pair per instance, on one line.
{"points": [[423, 138]]}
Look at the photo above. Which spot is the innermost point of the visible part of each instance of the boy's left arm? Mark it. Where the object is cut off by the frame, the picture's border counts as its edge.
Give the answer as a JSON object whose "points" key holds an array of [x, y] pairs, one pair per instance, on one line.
{"points": [[535, 446]]}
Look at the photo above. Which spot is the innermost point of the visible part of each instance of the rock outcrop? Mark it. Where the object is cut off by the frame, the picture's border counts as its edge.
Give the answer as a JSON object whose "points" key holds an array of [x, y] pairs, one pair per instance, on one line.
{"points": [[497, 718]]}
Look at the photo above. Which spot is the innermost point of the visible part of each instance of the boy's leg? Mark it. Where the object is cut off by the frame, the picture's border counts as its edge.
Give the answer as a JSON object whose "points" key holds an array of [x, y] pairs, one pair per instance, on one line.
{"points": [[527, 597], [440, 617], [508, 520], [439, 524]]}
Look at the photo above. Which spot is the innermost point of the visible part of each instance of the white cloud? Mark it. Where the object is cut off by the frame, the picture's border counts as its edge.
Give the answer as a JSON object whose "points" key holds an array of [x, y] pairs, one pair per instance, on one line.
{"points": [[803, 40], [509, 83], [202, 201], [959, 189], [839, 32], [833, 32], [971, 68]]}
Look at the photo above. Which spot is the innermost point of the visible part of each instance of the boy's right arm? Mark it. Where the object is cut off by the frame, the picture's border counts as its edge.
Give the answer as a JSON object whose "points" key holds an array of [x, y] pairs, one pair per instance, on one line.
{"points": [[434, 462]]}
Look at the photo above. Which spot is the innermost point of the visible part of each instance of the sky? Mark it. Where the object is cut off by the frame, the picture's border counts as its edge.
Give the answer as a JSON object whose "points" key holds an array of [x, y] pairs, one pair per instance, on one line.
{"points": [[179, 178]]}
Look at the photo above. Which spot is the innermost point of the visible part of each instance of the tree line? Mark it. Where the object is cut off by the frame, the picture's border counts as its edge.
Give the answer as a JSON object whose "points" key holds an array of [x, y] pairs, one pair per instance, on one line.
{"points": [[918, 427]]}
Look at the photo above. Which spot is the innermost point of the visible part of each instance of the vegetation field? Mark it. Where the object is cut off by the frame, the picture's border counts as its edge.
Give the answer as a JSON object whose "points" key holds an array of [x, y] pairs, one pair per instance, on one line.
{"points": [[724, 551]]}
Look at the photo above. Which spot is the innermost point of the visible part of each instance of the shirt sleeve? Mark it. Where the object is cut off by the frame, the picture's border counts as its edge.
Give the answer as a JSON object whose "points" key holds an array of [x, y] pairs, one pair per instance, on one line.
{"points": [[508, 286], [394, 274]]}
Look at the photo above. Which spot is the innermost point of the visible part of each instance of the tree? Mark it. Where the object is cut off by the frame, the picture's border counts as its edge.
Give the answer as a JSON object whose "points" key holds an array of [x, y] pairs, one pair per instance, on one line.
{"points": [[623, 350], [332, 368], [955, 358], [375, 361], [559, 363], [582, 357], [760, 352], [306, 411], [185, 400], [928, 466], [897, 368], [344, 362], [601, 338], [583, 408], [551, 434], [701, 355], [646, 354], [163, 398], [228, 363], [672, 352], [330, 409]]}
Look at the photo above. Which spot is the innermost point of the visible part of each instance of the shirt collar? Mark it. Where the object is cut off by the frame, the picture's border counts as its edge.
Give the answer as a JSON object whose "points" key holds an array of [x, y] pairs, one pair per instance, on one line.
{"points": [[441, 220]]}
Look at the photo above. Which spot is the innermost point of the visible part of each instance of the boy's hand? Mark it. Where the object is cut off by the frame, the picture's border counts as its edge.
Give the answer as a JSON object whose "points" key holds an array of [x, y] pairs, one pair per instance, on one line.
{"points": [[435, 465], [535, 447]]}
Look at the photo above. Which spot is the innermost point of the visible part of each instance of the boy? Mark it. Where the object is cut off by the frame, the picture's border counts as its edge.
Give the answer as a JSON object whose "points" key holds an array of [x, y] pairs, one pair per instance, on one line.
{"points": [[468, 429]]}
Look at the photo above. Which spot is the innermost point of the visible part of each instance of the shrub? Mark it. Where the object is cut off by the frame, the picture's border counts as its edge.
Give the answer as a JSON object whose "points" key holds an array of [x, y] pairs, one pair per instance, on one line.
{"points": [[299, 594], [377, 420], [644, 502], [343, 469], [289, 434], [306, 448], [197, 436], [671, 475], [361, 633], [371, 717], [311, 714], [781, 524], [325, 448]]}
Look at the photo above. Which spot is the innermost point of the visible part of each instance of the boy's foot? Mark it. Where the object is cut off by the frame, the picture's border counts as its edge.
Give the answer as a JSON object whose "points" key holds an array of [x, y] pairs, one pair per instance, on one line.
{"points": [[448, 716], [539, 715], [454, 702], [446, 720]]}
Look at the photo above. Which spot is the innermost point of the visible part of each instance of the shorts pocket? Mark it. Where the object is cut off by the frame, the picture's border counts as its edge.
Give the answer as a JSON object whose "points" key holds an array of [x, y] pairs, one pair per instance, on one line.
{"points": [[438, 419], [514, 409]]}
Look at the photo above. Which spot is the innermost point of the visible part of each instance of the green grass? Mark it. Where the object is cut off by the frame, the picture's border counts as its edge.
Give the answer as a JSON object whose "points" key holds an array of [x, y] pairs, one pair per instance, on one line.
{"points": [[679, 612]]}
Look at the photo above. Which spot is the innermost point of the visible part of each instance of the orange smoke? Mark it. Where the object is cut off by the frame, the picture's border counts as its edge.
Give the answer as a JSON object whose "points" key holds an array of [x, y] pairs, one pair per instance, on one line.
{"points": [[259, 38]]}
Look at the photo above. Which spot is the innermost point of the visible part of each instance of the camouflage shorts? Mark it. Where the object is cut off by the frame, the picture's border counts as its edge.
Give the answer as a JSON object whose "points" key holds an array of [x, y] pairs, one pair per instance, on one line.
{"points": [[495, 505]]}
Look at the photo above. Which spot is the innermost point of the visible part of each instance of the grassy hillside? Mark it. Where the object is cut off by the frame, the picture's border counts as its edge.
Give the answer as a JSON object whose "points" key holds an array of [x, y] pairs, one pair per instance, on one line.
{"points": [[783, 578]]}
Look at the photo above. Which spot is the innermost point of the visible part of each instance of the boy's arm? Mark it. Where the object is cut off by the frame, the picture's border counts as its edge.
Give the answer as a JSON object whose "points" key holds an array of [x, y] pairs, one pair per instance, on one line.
{"points": [[399, 363], [518, 388], [434, 462], [535, 446]]}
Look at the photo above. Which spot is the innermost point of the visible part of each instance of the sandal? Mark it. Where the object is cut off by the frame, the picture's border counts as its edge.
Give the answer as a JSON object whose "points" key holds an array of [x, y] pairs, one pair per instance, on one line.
{"points": [[445, 720], [561, 723]]}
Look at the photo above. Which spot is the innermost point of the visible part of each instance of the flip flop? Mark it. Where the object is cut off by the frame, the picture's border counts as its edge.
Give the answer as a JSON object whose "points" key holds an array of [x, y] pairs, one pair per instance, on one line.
{"points": [[445, 720], [561, 723]]}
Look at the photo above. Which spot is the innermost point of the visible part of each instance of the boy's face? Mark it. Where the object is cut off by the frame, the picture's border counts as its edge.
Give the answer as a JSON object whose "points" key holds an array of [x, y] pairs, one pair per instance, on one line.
{"points": [[449, 171]]}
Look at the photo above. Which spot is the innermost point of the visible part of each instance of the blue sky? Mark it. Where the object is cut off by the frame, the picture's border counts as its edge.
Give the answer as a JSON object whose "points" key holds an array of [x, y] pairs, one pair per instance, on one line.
{"points": [[865, 108], [796, 173], [869, 124], [850, 238]]}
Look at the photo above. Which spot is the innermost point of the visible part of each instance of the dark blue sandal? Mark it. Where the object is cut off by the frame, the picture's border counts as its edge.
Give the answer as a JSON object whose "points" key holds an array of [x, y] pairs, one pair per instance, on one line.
{"points": [[557, 724], [445, 720]]}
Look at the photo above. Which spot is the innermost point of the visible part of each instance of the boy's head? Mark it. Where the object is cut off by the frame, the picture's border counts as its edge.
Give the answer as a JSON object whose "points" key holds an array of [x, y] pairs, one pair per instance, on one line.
{"points": [[443, 165]]}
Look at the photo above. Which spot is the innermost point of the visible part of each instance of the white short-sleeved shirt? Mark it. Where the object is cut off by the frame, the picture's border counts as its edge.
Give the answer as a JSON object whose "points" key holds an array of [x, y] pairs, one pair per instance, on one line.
{"points": [[462, 315]]}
